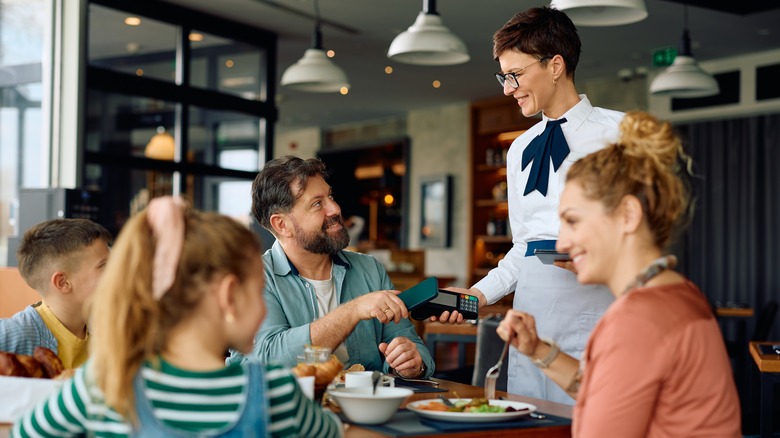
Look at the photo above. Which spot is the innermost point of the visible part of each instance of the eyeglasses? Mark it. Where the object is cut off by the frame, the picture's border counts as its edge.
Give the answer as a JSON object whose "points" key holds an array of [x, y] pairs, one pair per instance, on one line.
{"points": [[512, 76]]}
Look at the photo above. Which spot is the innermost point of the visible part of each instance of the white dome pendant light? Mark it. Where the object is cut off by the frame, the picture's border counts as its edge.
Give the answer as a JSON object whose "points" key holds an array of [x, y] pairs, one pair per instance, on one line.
{"points": [[315, 72], [684, 78], [428, 42], [602, 12]]}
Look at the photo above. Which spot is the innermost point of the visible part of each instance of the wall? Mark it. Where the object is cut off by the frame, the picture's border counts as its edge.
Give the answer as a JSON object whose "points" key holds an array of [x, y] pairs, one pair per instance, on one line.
{"points": [[747, 106], [439, 145], [303, 143], [439, 140], [616, 94]]}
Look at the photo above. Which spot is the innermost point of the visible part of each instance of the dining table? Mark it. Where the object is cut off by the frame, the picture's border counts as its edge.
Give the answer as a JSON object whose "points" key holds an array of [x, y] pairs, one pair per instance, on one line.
{"points": [[555, 424]]}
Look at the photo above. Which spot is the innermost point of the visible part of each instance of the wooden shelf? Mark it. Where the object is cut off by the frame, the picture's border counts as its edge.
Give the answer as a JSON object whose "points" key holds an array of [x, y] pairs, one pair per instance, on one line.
{"points": [[488, 168], [489, 203], [493, 239], [490, 118]]}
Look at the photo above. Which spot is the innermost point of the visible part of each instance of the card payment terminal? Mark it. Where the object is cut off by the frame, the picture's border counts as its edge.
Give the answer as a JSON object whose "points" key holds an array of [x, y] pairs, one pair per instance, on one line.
{"points": [[467, 305]]}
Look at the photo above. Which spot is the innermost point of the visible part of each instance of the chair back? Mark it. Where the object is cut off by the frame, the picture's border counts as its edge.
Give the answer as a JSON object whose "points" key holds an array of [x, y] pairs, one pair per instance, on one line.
{"points": [[489, 347], [765, 321]]}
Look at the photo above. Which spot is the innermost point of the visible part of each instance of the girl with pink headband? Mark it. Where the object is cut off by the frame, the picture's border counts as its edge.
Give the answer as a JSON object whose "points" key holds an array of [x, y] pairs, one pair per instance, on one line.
{"points": [[180, 289]]}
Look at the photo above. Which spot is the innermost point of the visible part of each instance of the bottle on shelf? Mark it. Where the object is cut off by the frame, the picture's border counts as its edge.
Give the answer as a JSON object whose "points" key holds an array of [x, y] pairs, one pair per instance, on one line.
{"points": [[500, 191], [491, 226], [498, 157], [500, 227], [489, 156]]}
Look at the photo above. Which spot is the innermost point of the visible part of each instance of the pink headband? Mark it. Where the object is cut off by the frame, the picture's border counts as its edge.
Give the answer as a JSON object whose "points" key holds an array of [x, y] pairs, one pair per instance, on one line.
{"points": [[165, 216]]}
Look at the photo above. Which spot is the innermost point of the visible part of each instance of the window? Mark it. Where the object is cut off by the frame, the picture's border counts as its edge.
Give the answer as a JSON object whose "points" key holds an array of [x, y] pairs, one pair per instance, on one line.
{"points": [[177, 102], [24, 152]]}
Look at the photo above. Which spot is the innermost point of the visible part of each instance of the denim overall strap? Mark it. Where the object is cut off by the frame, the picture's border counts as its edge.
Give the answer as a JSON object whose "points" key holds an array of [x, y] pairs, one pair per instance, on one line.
{"points": [[252, 421]]}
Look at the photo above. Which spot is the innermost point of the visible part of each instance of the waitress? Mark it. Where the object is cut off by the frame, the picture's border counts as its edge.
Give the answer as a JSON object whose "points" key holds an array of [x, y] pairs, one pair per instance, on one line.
{"points": [[538, 51]]}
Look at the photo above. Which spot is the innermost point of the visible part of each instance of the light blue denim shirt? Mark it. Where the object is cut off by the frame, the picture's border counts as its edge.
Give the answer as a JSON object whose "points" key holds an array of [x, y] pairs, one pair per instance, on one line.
{"points": [[292, 306]]}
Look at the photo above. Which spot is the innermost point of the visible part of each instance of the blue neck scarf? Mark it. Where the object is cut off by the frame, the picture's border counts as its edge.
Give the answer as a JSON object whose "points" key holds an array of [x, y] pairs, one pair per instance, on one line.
{"points": [[550, 145]]}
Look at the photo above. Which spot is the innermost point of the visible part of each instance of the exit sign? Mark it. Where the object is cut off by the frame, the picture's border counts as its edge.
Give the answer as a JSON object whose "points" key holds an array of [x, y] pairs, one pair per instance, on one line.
{"points": [[664, 57]]}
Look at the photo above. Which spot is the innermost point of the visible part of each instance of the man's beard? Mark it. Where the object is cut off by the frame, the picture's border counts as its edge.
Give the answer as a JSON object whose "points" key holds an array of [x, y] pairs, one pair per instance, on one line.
{"points": [[321, 242]]}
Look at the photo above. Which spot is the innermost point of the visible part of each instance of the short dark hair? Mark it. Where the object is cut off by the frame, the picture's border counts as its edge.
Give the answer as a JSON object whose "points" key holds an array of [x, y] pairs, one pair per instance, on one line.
{"points": [[272, 189], [543, 32], [55, 240]]}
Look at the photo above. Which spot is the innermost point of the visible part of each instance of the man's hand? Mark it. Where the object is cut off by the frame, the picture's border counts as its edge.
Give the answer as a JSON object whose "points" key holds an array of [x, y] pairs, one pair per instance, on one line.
{"points": [[384, 305], [455, 317], [402, 356]]}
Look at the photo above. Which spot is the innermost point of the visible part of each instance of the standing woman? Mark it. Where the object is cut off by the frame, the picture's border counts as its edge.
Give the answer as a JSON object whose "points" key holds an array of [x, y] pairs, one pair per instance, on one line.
{"points": [[655, 364], [538, 51]]}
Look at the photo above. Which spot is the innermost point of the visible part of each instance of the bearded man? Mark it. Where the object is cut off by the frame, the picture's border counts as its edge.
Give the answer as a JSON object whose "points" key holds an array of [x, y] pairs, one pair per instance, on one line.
{"points": [[318, 294]]}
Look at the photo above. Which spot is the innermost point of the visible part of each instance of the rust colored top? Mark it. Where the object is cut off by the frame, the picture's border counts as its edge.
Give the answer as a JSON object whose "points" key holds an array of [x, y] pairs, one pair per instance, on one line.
{"points": [[656, 366]]}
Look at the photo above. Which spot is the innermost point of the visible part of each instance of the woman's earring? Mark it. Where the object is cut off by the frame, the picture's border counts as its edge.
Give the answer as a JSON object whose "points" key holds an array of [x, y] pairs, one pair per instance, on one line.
{"points": [[555, 81], [230, 318]]}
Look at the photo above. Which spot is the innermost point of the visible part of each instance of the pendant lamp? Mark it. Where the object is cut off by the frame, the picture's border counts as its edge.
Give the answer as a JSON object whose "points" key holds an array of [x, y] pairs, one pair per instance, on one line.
{"points": [[602, 12], [684, 78], [315, 72], [428, 42], [161, 146]]}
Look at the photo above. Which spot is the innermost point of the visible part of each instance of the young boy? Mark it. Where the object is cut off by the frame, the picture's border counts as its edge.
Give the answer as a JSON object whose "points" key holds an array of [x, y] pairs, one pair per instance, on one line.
{"points": [[61, 259]]}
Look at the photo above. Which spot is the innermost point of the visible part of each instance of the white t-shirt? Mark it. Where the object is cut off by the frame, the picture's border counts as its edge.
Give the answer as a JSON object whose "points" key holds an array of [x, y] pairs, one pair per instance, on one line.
{"points": [[325, 290]]}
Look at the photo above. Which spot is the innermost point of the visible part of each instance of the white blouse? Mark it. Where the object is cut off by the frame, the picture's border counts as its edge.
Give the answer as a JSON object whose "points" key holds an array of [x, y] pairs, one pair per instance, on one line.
{"points": [[535, 217]]}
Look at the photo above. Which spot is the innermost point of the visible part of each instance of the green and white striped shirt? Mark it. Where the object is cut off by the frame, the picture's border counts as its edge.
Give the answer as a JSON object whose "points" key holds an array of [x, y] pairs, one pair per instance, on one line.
{"points": [[194, 402]]}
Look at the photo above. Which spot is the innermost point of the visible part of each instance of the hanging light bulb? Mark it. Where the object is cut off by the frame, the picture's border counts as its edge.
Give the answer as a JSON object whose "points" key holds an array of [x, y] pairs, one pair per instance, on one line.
{"points": [[428, 41], [602, 12], [684, 78], [315, 72]]}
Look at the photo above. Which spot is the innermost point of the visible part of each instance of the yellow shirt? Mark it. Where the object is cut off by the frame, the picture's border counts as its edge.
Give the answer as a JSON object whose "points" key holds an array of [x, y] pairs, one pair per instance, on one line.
{"points": [[71, 349]]}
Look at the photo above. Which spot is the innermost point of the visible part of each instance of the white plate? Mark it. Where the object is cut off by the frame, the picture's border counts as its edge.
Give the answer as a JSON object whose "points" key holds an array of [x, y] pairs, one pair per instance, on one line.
{"points": [[472, 417]]}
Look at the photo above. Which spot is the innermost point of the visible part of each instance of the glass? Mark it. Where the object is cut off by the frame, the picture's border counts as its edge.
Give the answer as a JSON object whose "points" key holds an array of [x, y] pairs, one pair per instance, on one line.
{"points": [[125, 125], [511, 77], [227, 195], [25, 33], [228, 66], [315, 354], [147, 49], [128, 190], [226, 139]]}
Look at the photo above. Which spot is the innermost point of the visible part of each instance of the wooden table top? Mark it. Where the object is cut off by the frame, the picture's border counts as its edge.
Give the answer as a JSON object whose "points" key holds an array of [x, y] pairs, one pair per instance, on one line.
{"points": [[469, 391], [734, 312], [450, 329], [767, 363]]}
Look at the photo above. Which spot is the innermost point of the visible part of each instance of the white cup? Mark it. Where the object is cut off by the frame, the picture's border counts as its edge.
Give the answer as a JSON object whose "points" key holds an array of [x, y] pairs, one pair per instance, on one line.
{"points": [[361, 379]]}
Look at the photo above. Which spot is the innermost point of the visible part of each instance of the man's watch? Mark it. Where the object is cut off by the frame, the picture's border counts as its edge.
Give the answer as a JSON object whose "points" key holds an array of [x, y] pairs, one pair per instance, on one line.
{"points": [[420, 372], [547, 360]]}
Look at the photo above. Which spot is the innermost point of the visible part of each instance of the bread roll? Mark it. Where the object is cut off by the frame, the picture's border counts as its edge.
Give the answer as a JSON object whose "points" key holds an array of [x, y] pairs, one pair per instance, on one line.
{"points": [[32, 366], [10, 366], [304, 370], [52, 365], [327, 371]]}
